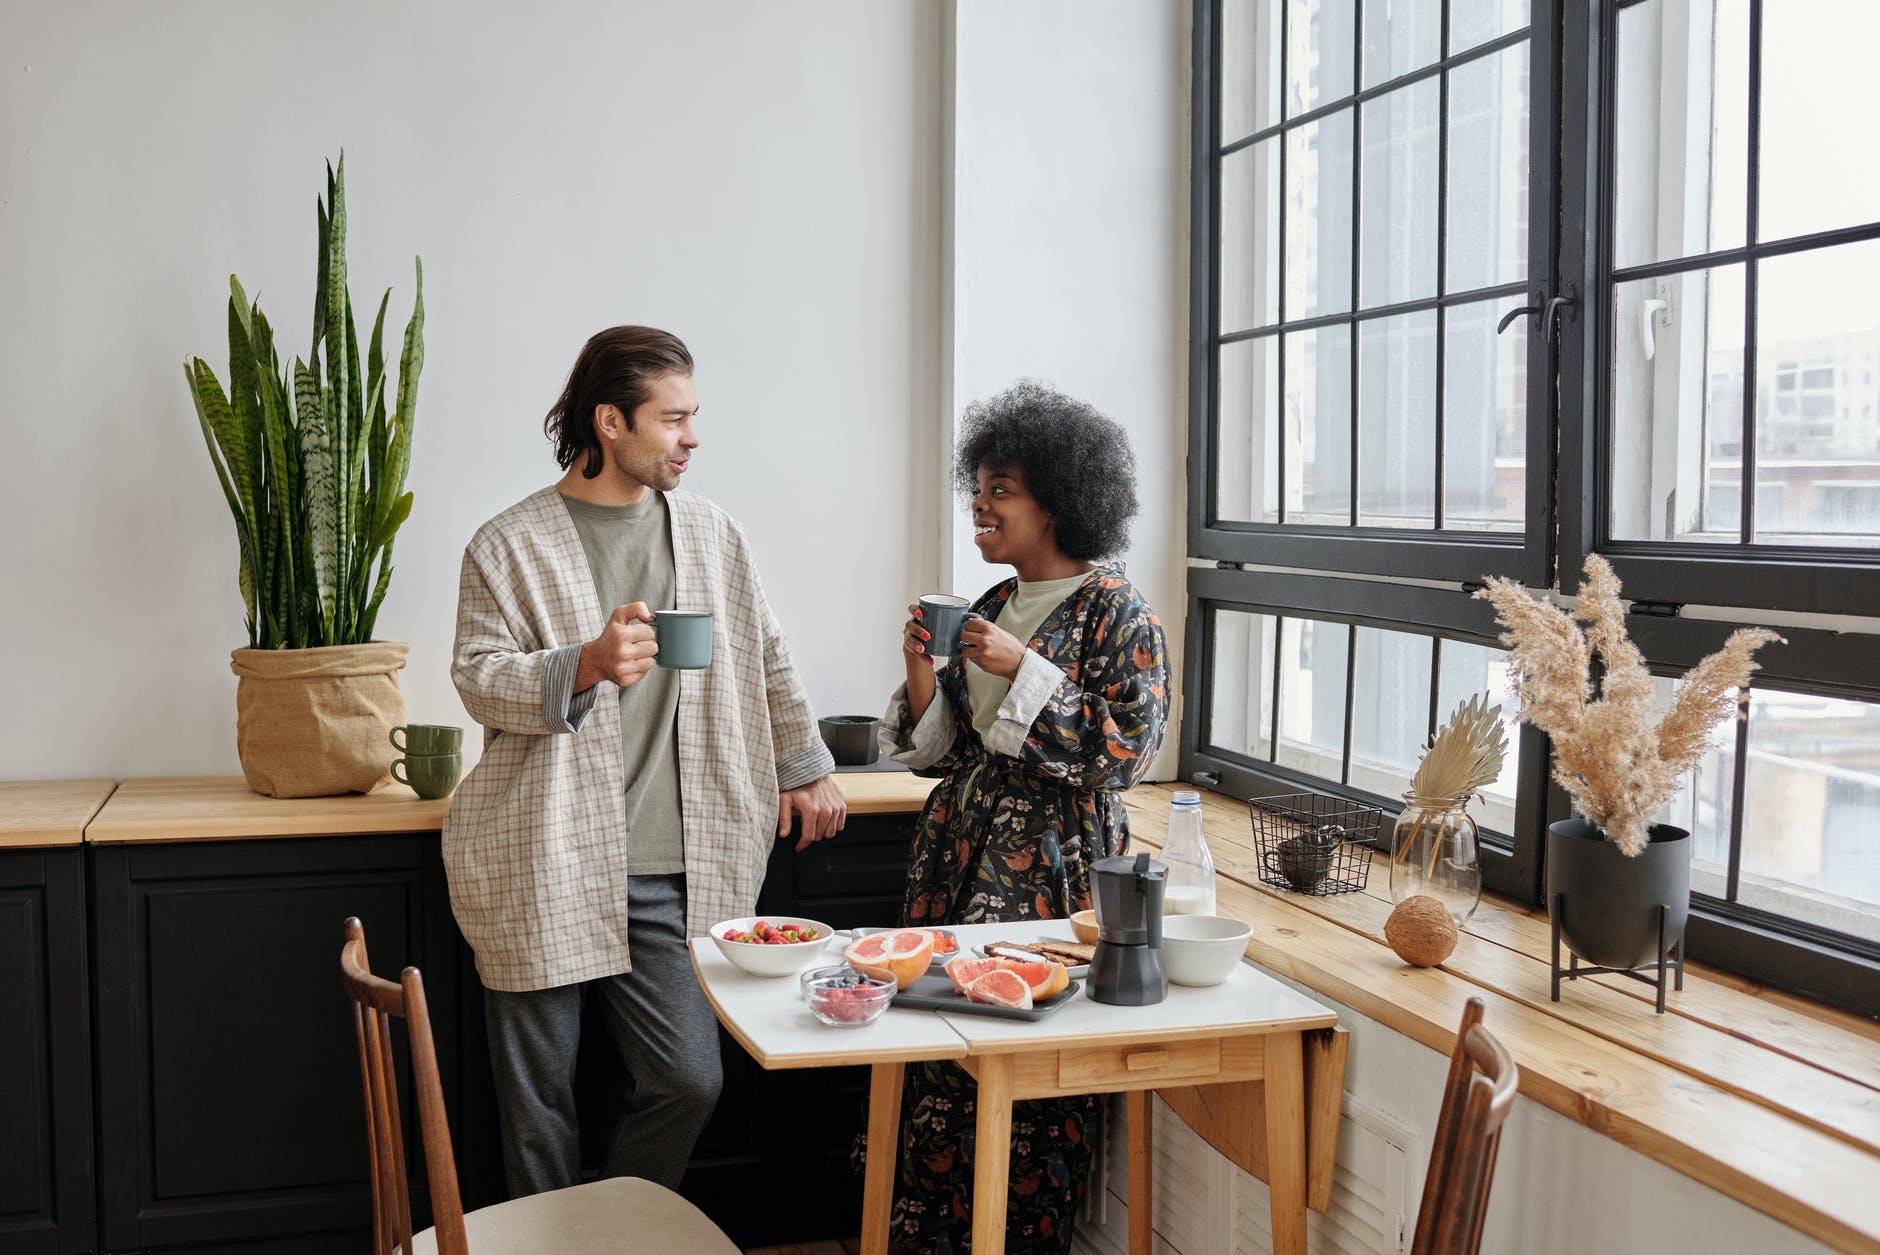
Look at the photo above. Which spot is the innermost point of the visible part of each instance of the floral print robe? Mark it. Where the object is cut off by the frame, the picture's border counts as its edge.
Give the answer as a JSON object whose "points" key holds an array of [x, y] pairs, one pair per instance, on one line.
{"points": [[1011, 836]]}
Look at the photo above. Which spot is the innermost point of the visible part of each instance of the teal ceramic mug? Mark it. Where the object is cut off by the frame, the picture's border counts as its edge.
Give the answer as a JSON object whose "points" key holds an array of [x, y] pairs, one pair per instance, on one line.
{"points": [[425, 739], [685, 639], [429, 775]]}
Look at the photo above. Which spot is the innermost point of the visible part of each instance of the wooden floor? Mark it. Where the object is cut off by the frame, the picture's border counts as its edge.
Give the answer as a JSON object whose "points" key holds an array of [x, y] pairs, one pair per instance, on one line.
{"points": [[848, 1246]]}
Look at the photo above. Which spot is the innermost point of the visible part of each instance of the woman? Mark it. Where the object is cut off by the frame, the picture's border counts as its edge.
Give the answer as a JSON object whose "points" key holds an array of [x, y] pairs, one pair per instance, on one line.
{"points": [[1054, 706]]}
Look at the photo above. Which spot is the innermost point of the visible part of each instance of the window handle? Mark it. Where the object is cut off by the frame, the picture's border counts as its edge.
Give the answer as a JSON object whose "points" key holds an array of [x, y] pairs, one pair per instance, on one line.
{"points": [[1513, 314], [1549, 313]]}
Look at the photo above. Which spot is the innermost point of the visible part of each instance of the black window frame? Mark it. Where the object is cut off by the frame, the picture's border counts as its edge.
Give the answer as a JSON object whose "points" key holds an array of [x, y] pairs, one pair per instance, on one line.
{"points": [[1433, 554], [1329, 574], [1821, 579]]}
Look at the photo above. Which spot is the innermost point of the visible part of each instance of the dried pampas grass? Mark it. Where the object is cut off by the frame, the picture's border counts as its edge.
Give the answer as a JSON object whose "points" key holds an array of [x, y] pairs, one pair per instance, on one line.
{"points": [[1616, 757]]}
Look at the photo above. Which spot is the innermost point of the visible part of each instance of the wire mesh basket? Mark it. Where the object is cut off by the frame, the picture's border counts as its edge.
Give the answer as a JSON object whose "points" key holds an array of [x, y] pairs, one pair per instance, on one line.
{"points": [[1310, 843]]}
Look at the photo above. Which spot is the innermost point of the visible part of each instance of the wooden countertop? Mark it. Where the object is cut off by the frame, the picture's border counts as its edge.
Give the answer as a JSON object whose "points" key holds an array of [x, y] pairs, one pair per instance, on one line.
{"points": [[224, 808], [1765, 1097], [36, 814]]}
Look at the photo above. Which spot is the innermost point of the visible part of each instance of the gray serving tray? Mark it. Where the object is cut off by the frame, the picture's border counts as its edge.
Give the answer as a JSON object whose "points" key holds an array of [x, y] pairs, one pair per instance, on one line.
{"points": [[935, 992]]}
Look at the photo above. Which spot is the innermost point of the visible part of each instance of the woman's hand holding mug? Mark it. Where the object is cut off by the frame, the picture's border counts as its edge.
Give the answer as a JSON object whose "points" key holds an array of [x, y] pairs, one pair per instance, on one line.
{"points": [[991, 648]]}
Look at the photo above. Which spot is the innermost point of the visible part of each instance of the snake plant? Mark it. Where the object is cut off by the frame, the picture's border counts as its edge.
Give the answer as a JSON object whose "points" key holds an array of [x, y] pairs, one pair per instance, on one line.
{"points": [[312, 463]]}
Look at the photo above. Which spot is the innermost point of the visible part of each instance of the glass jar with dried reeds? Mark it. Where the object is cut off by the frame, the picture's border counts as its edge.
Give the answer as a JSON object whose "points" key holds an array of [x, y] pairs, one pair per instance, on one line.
{"points": [[1433, 848]]}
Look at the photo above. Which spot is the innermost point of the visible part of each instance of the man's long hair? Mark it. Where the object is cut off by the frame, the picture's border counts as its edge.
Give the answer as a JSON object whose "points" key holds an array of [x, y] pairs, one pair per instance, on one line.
{"points": [[616, 367]]}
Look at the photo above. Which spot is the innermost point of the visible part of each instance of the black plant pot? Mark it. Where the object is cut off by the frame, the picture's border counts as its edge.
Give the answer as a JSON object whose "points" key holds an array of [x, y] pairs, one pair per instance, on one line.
{"points": [[851, 739], [1606, 905]]}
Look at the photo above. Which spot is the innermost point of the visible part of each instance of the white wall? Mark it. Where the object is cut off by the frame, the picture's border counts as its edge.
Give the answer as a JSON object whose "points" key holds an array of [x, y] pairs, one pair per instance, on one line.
{"points": [[773, 182], [1070, 230], [763, 179]]}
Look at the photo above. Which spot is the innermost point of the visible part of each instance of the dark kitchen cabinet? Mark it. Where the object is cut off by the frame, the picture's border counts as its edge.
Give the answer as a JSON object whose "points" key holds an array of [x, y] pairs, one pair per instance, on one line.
{"points": [[227, 1073], [46, 1169]]}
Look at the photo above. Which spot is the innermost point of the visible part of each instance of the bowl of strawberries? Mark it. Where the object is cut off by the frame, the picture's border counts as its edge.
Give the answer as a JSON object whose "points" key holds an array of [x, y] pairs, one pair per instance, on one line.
{"points": [[771, 945]]}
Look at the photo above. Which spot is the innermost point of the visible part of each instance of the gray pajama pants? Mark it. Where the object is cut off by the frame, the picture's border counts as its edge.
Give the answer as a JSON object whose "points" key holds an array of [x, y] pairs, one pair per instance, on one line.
{"points": [[664, 1029]]}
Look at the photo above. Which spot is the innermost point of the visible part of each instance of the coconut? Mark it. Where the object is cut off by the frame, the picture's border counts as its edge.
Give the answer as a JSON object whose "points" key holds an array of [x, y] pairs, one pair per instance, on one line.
{"points": [[1420, 931]]}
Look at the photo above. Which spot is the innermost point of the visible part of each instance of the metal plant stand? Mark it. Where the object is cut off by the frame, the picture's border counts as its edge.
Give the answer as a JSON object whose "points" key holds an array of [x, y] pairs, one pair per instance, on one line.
{"points": [[1670, 957]]}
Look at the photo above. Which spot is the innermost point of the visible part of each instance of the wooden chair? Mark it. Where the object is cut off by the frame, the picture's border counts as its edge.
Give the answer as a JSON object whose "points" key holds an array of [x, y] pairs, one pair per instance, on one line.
{"points": [[1468, 1133], [619, 1214]]}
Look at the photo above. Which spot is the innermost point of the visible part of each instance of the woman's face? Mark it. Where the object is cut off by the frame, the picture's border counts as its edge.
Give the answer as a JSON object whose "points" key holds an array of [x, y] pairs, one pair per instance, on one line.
{"points": [[1009, 525]]}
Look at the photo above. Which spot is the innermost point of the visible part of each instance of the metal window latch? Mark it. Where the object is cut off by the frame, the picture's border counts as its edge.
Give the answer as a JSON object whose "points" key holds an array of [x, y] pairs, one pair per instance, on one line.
{"points": [[1548, 312], [1657, 609], [1206, 779]]}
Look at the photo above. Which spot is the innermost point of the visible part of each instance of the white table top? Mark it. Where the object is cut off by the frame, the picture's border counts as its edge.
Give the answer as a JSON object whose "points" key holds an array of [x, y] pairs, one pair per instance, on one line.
{"points": [[772, 1022], [1247, 1001], [770, 1019]]}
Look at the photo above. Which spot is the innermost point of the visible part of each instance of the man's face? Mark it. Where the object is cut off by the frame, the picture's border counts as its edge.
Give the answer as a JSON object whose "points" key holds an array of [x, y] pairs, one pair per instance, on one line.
{"points": [[655, 451]]}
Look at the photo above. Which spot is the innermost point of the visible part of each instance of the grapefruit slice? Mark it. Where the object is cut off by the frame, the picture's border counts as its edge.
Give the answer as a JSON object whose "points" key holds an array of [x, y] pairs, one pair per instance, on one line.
{"points": [[1001, 987], [901, 956], [964, 970], [1045, 977]]}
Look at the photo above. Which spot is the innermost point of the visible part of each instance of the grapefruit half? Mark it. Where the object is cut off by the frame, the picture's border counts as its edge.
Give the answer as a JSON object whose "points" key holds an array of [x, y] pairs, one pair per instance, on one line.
{"points": [[1001, 987], [901, 955]]}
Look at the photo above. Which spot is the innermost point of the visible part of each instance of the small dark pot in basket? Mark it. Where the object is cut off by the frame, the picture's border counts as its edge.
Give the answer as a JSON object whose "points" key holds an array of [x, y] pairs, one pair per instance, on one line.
{"points": [[851, 739], [1607, 904], [1310, 843]]}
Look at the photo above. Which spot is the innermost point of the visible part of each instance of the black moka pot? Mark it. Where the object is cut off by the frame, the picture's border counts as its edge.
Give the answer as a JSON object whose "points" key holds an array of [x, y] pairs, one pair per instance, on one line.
{"points": [[1127, 969]]}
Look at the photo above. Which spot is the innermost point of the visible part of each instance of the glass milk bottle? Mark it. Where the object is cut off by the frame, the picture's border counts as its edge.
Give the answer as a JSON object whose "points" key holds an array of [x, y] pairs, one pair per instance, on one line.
{"points": [[1190, 888]]}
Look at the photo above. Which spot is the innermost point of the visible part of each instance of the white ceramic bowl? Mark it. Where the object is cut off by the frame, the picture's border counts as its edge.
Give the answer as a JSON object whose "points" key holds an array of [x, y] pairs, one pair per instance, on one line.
{"points": [[768, 960], [1202, 949]]}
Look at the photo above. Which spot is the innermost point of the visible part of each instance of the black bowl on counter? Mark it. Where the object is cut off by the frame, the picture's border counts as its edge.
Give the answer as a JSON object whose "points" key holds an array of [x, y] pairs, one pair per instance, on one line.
{"points": [[851, 738]]}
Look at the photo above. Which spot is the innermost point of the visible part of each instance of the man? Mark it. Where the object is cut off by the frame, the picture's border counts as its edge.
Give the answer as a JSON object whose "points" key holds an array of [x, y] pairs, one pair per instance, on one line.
{"points": [[618, 808]]}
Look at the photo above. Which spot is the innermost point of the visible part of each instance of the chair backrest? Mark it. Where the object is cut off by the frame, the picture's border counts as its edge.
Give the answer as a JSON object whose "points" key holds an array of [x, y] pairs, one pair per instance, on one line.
{"points": [[1476, 1101], [376, 1003]]}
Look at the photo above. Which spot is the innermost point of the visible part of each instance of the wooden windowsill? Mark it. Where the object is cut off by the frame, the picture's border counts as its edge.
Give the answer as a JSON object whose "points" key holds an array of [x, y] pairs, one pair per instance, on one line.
{"points": [[1766, 1097]]}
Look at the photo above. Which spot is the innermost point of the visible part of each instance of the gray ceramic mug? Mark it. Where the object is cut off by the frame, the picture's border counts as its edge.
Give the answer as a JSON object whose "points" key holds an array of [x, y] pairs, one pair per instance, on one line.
{"points": [[685, 639], [943, 615]]}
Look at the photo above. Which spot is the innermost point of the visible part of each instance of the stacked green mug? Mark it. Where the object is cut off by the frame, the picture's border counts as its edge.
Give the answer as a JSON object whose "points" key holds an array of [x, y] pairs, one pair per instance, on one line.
{"points": [[433, 757]]}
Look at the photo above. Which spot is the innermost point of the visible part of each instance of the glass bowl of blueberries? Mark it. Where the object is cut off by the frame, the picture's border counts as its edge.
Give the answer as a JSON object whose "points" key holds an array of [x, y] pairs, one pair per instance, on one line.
{"points": [[842, 997]]}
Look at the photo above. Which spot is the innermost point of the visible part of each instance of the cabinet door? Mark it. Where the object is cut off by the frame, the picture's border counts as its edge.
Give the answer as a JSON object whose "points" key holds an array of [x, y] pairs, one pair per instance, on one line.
{"points": [[228, 1080], [46, 1181]]}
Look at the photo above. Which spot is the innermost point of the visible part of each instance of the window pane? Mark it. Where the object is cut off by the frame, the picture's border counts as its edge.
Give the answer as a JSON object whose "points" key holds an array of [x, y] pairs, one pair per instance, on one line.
{"points": [[1399, 195], [1318, 427], [1817, 399], [1249, 67], [1397, 420], [1318, 217], [1811, 811], [1240, 699], [1400, 36], [1246, 439], [1250, 237], [1820, 96], [1466, 670], [1312, 696], [1488, 171], [1473, 22], [1677, 407], [1681, 156], [1704, 800], [1319, 49], [1484, 421], [1390, 703]]}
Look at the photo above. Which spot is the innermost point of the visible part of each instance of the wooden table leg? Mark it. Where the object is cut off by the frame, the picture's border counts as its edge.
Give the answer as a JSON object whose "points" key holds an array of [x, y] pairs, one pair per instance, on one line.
{"points": [[884, 1136], [1286, 1141], [992, 1153], [1141, 1172]]}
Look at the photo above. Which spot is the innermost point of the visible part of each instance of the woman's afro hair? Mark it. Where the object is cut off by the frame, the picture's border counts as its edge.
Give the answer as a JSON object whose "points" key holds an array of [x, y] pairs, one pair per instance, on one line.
{"points": [[1075, 461]]}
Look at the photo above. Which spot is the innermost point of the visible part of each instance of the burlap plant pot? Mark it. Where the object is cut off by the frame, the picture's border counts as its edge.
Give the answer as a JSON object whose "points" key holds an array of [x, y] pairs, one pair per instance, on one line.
{"points": [[314, 722]]}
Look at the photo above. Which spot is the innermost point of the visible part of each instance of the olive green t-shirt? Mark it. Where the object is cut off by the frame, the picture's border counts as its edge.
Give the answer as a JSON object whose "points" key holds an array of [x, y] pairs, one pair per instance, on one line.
{"points": [[1028, 606], [629, 552]]}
